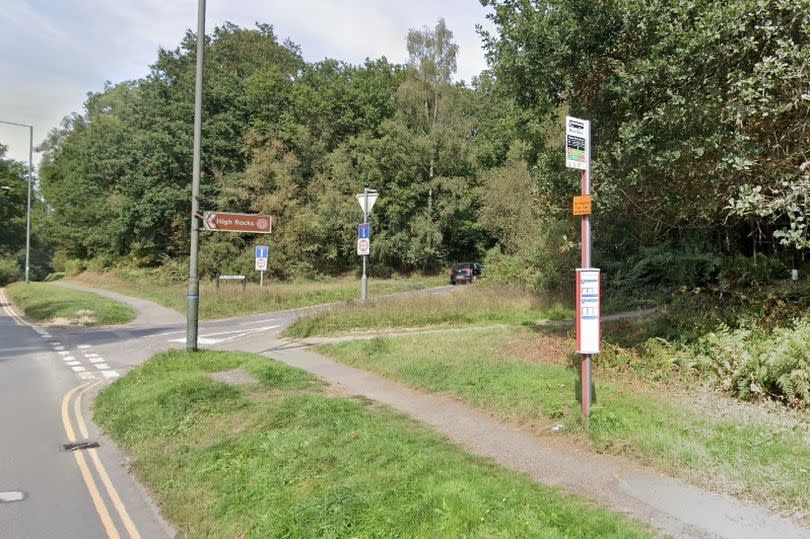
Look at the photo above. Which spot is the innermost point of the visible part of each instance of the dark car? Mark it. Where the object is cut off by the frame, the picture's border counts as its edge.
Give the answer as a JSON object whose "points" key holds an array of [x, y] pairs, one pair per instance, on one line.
{"points": [[466, 272]]}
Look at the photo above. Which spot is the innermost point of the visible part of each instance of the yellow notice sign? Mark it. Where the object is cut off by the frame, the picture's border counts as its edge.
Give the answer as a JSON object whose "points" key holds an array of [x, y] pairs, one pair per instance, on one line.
{"points": [[582, 205]]}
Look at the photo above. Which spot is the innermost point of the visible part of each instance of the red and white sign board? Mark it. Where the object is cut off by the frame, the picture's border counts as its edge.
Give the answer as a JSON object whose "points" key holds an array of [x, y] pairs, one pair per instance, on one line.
{"points": [[589, 333], [363, 247], [237, 222]]}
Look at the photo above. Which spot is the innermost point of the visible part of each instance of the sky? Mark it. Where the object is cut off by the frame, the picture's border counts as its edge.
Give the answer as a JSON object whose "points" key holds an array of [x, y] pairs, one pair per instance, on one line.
{"points": [[56, 51]]}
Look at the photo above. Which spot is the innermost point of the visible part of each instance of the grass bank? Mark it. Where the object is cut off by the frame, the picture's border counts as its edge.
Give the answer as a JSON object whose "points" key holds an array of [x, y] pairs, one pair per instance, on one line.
{"points": [[45, 302], [282, 457], [230, 300], [523, 377], [477, 304]]}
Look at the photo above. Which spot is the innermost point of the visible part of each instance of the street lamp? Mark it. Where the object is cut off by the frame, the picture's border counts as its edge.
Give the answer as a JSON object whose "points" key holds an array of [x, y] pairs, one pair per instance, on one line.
{"points": [[28, 207]]}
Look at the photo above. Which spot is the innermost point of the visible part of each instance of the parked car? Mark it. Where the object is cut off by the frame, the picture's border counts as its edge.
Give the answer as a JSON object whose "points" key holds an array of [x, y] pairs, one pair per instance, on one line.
{"points": [[465, 273]]}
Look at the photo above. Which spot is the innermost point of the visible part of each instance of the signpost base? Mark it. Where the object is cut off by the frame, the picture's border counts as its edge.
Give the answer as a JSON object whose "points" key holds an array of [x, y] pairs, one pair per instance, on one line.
{"points": [[363, 288], [192, 310]]}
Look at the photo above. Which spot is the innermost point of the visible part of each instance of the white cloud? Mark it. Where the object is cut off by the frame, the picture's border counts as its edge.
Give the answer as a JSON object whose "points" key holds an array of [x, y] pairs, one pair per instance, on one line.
{"points": [[55, 51]]}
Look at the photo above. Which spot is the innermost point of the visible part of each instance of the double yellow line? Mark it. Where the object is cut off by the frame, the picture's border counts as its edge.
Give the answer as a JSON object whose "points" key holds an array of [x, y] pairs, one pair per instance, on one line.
{"points": [[89, 480], [9, 311], [98, 501]]}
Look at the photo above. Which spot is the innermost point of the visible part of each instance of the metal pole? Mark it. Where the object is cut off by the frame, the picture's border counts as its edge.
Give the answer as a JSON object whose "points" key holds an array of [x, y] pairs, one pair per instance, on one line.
{"points": [[193, 297], [364, 278], [586, 365], [261, 279], [28, 208]]}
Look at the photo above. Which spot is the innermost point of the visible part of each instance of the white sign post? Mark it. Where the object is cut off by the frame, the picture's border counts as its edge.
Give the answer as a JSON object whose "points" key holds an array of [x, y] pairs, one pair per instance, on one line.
{"points": [[578, 156], [262, 254], [366, 200]]}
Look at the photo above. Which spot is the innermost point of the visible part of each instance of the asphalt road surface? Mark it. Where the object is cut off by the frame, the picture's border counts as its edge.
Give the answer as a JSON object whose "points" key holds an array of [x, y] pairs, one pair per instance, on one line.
{"points": [[46, 491]]}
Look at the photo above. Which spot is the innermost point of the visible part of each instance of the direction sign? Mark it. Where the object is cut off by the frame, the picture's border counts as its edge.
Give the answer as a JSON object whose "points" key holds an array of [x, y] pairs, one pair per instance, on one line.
{"points": [[364, 231], [262, 251], [237, 222], [363, 247], [372, 198], [577, 142]]}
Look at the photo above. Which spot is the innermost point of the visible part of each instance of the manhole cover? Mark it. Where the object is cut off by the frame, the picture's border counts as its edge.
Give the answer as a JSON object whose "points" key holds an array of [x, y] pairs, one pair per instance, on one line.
{"points": [[74, 446], [11, 496]]}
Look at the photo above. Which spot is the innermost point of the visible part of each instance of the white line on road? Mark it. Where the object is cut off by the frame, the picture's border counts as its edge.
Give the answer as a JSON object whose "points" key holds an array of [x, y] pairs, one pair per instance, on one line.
{"points": [[208, 339], [78, 369], [264, 321], [90, 354], [83, 346], [68, 358], [73, 363], [64, 353], [102, 366], [95, 359], [87, 376], [110, 374]]}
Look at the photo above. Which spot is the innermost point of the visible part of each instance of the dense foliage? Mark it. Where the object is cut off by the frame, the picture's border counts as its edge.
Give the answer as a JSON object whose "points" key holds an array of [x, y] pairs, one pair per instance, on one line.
{"points": [[287, 137], [700, 111]]}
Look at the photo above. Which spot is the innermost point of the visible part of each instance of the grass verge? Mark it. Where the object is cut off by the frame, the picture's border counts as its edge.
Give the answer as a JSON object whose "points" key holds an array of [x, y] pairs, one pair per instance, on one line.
{"points": [[51, 303], [284, 458], [478, 304], [231, 300], [503, 371]]}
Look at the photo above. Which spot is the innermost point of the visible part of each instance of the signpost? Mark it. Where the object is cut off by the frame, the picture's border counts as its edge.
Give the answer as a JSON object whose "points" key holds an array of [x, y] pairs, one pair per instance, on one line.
{"points": [[578, 156], [366, 201], [237, 222], [262, 254]]}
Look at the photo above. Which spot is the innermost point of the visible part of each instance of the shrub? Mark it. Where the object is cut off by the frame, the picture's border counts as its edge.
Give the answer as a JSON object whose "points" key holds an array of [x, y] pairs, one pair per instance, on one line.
{"points": [[743, 271], [667, 268], [10, 270], [75, 266]]}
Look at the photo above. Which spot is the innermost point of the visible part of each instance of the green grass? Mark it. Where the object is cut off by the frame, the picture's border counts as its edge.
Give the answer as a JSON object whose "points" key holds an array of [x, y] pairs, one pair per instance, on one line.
{"points": [[767, 463], [231, 300], [477, 304], [47, 302], [283, 458]]}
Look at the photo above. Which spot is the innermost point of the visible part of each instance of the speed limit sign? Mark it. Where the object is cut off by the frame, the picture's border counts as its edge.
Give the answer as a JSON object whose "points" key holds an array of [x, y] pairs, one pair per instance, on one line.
{"points": [[363, 247]]}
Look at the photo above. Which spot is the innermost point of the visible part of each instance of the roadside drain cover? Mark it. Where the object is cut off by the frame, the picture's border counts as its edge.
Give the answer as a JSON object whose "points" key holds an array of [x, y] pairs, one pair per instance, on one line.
{"points": [[11, 496], [79, 445]]}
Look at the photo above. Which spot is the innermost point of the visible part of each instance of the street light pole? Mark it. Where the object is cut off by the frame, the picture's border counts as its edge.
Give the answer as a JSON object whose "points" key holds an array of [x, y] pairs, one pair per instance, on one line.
{"points": [[28, 206], [193, 297]]}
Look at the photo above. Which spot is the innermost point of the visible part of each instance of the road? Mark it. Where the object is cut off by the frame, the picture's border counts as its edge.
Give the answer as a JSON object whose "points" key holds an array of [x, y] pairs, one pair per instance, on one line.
{"points": [[47, 491], [48, 378]]}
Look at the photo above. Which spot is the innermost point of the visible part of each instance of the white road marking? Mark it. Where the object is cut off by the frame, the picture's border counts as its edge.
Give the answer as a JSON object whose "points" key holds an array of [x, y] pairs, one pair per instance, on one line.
{"points": [[46, 335], [95, 359], [83, 346], [11, 496], [68, 358], [110, 374], [78, 369], [73, 363], [208, 339], [64, 353], [263, 321], [102, 366], [90, 354], [87, 376], [56, 343], [59, 348]]}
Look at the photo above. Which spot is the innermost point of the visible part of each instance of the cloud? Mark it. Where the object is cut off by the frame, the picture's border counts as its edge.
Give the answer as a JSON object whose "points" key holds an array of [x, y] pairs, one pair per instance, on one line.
{"points": [[55, 51]]}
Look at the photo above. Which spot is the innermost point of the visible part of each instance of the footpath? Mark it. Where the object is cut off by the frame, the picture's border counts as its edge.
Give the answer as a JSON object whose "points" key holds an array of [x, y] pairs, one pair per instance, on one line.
{"points": [[668, 505]]}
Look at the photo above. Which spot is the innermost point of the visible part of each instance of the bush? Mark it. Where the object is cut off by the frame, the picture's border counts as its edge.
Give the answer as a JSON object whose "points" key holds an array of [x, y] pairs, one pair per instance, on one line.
{"points": [[75, 266], [10, 270], [752, 364], [667, 268], [747, 272]]}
